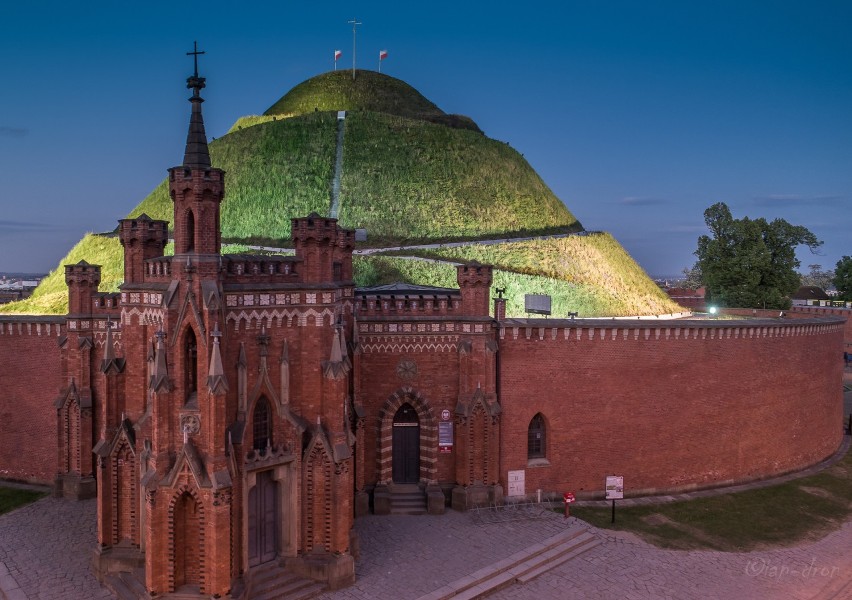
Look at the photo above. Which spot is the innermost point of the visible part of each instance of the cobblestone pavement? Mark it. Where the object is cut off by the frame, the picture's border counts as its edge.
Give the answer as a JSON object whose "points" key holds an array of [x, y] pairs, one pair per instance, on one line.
{"points": [[46, 548]]}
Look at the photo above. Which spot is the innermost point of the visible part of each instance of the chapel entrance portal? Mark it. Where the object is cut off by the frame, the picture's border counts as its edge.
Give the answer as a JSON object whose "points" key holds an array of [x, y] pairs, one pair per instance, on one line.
{"points": [[406, 445], [263, 520]]}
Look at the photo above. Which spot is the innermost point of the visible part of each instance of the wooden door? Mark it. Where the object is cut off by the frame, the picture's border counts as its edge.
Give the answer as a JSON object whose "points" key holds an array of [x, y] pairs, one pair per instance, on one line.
{"points": [[263, 520], [406, 445]]}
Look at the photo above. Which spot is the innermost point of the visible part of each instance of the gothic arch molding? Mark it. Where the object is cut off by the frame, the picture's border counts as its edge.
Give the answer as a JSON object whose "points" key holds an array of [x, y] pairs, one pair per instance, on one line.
{"points": [[428, 435], [177, 529]]}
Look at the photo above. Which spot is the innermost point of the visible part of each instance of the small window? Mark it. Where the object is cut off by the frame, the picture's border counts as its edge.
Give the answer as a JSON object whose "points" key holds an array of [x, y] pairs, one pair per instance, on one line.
{"points": [[536, 438], [190, 365], [261, 424]]}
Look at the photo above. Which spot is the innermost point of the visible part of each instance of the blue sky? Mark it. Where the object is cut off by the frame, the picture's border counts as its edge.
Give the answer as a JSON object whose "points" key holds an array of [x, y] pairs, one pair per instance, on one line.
{"points": [[639, 115]]}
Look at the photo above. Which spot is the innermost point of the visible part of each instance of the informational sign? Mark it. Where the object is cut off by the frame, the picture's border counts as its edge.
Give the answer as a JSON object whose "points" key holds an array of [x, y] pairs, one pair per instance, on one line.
{"points": [[516, 483], [614, 487], [445, 415], [445, 437]]}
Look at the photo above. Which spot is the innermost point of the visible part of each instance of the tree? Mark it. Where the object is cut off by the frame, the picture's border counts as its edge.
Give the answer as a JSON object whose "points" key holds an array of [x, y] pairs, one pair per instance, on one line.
{"points": [[817, 277], [691, 278], [843, 278], [750, 263]]}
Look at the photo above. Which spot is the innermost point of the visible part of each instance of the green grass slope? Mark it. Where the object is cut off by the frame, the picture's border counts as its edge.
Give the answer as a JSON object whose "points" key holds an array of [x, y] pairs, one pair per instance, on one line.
{"points": [[368, 91], [408, 180], [604, 278], [274, 171]]}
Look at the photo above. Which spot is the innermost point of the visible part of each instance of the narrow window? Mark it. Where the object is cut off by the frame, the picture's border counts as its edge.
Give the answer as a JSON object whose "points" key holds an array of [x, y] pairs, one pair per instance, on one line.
{"points": [[189, 242], [261, 424], [190, 363], [536, 438]]}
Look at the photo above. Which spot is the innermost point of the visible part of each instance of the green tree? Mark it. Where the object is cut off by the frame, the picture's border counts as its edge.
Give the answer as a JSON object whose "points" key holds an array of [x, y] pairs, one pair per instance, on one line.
{"points": [[750, 263], [817, 277], [843, 278], [691, 278]]}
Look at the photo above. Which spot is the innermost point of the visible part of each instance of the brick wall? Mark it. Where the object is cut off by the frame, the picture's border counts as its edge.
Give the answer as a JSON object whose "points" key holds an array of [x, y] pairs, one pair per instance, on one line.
{"points": [[29, 383], [669, 406]]}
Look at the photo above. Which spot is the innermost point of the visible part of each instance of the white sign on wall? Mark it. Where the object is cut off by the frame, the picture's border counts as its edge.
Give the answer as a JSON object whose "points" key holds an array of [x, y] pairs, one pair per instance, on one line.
{"points": [[516, 483], [614, 487]]}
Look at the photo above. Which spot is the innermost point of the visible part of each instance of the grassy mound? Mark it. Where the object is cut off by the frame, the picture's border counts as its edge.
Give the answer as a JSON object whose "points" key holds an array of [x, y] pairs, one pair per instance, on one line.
{"points": [[407, 178], [591, 275], [615, 284], [408, 181], [368, 91]]}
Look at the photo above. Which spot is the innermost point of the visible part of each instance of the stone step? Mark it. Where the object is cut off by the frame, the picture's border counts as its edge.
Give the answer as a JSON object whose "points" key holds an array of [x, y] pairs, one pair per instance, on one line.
{"points": [[518, 568], [272, 583], [407, 500]]}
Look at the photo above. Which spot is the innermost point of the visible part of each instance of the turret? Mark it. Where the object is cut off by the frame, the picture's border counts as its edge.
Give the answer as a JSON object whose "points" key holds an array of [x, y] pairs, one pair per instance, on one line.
{"points": [[475, 285], [82, 280], [325, 249], [196, 188], [142, 238]]}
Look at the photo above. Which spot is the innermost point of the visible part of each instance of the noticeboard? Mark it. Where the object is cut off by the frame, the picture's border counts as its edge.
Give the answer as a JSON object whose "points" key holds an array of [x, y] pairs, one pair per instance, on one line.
{"points": [[445, 436], [516, 483], [614, 487]]}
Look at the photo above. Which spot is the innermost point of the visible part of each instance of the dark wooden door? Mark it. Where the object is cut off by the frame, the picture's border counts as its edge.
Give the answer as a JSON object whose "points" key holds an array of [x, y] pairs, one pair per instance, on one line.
{"points": [[263, 520], [406, 445]]}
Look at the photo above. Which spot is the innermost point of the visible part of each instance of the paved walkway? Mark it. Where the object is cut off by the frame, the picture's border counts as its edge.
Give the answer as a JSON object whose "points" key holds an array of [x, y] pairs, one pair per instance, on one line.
{"points": [[45, 549]]}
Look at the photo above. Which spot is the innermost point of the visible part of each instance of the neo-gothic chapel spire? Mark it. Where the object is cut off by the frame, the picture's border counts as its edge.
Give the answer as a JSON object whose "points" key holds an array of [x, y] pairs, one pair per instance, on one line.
{"points": [[197, 156]]}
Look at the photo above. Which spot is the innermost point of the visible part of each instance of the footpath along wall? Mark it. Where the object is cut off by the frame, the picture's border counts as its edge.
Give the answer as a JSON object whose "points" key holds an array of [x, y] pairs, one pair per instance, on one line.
{"points": [[670, 406]]}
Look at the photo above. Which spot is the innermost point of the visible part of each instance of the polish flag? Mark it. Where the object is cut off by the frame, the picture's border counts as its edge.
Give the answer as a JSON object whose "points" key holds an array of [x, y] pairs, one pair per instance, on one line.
{"points": [[337, 54], [383, 54]]}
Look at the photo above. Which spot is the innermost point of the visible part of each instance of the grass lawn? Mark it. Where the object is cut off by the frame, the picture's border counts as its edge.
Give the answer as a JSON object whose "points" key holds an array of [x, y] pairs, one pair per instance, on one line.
{"points": [[783, 515], [12, 498]]}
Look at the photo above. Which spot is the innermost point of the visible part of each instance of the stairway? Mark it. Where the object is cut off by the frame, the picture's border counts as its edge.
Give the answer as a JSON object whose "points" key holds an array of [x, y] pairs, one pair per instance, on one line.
{"points": [[407, 499], [518, 568], [267, 582], [271, 582], [126, 585]]}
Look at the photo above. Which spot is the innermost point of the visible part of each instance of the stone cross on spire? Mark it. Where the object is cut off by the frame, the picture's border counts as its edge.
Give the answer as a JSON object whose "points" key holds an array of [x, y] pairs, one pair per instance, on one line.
{"points": [[197, 156], [194, 55]]}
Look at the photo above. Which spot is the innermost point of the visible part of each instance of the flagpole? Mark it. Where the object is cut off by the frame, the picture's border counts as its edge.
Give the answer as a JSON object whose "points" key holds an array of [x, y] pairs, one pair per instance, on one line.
{"points": [[355, 23]]}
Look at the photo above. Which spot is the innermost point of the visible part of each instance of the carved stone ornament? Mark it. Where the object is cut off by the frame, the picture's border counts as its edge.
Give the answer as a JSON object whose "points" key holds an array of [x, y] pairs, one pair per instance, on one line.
{"points": [[406, 369], [190, 424]]}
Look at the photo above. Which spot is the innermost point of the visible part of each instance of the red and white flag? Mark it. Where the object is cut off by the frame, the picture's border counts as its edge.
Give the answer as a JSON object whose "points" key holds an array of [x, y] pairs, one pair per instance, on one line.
{"points": [[383, 54], [337, 54]]}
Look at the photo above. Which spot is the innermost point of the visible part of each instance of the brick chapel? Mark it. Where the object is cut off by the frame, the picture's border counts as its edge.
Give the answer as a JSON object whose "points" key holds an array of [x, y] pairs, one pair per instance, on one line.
{"points": [[240, 422], [233, 413]]}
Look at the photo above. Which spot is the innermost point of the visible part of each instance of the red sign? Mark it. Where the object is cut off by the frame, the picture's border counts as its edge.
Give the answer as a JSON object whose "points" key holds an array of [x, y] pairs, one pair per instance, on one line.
{"points": [[568, 497], [445, 415]]}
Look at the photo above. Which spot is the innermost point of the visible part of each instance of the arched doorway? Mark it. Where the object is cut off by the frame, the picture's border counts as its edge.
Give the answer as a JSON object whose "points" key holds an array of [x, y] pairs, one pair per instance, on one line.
{"points": [[263, 520], [187, 539], [406, 445]]}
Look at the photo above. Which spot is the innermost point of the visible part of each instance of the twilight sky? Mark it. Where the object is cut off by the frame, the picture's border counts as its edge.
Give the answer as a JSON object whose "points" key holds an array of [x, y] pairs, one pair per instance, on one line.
{"points": [[639, 115]]}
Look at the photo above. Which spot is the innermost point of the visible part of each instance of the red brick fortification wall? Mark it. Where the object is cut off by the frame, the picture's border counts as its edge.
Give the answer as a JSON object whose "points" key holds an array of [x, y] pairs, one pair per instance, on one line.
{"points": [[669, 406], [29, 385], [825, 311]]}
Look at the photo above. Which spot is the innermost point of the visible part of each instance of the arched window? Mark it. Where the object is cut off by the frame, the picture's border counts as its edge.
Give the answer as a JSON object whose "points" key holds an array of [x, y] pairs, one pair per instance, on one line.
{"points": [[261, 424], [536, 438], [190, 365]]}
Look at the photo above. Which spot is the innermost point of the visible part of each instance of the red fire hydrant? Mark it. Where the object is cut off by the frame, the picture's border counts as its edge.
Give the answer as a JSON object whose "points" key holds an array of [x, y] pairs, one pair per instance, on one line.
{"points": [[568, 498]]}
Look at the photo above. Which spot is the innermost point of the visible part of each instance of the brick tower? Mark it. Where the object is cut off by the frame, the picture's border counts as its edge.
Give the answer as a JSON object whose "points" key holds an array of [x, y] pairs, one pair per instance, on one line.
{"points": [[227, 438]]}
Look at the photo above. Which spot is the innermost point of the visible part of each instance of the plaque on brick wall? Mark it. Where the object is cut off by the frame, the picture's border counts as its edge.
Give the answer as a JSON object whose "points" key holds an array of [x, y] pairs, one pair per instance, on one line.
{"points": [[445, 436], [516, 483]]}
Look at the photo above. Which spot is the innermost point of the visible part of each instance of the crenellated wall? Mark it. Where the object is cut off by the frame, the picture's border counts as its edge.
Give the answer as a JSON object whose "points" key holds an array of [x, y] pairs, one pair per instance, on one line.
{"points": [[669, 406], [29, 384]]}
